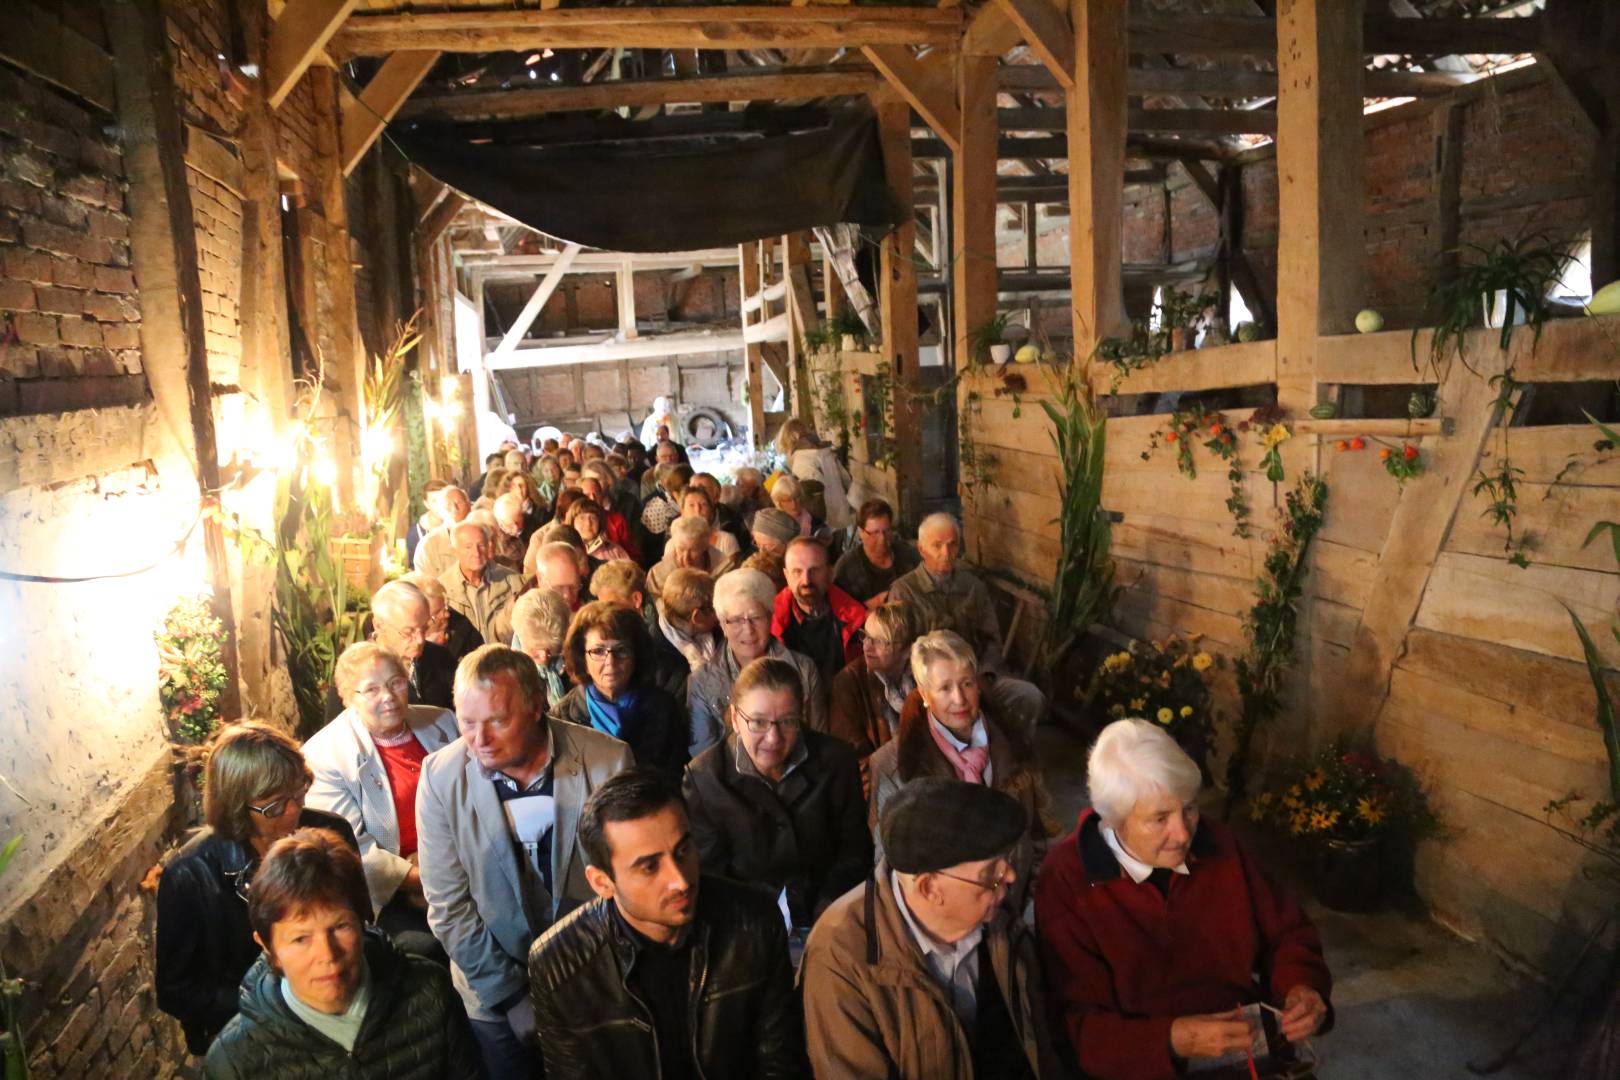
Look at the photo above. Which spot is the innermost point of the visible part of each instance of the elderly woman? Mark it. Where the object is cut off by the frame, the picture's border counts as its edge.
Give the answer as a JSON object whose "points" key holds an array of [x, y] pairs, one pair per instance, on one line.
{"points": [[1156, 922], [777, 804], [742, 603], [662, 506], [809, 458], [610, 660], [787, 495], [328, 998], [686, 621], [598, 484], [691, 547], [253, 795], [945, 730], [446, 626], [589, 520], [697, 501], [536, 509], [869, 695], [539, 627], [494, 487], [548, 478], [365, 764]]}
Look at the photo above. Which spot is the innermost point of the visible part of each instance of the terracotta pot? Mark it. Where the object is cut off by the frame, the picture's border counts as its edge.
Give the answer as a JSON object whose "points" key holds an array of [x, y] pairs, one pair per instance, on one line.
{"points": [[1178, 339], [1348, 874]]}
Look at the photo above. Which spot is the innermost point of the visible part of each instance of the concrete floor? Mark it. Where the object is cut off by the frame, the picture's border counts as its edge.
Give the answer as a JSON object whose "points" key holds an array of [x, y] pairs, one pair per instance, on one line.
{"points": [[1413, 1002]]}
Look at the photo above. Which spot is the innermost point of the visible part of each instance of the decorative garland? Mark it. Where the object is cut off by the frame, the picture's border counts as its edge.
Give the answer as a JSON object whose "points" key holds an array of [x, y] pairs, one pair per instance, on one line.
{"points": [[1186, 426]]}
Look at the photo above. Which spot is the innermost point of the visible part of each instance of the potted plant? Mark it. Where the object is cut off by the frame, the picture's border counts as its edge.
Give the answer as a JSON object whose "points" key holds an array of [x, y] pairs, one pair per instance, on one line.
{"points": [[847, 329], [1184, 314], [1164, 681], [1500, 287], [1344, 804], [985, 340]]}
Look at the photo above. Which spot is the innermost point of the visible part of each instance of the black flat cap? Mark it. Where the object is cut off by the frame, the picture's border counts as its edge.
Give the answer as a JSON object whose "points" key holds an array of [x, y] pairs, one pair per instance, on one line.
{"points": [[934, 823]]}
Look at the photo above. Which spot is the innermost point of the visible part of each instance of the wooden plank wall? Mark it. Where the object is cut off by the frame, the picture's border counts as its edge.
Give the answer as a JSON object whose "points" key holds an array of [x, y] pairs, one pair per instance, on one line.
{"points": [[879, 480], [1486, 695]]}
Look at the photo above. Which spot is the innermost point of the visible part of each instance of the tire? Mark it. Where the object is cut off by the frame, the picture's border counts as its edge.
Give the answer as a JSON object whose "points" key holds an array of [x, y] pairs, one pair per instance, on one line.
{"points": [[689, 424]]}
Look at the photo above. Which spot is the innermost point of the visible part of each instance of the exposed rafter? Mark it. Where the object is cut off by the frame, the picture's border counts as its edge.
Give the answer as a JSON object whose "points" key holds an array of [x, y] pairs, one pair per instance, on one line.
{"points": [[1244, 35], [364, 117], [303, 30], [1235, 82], [928, 84], [1046, 31]]}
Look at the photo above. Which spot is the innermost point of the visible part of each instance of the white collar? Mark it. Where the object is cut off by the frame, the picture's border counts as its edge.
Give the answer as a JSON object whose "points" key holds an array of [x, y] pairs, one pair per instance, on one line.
{"points": [[980, 736], [952, 953], [1139, 870]]}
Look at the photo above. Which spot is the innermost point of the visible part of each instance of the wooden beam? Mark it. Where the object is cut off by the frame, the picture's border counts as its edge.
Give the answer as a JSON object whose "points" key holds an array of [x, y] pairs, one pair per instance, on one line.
{"points": [[303, 30], [929, 84], [1244, 279], [607, 349], [1446, 226], [1096, 106], [1046, 31], [1055, 147], [37, 40], [1235, 82], [768, 84], [481, 30], [441, 219], [753, 358], [1040, 189], [801, 305], [973, 209], [364, 117], [1244, 35], [537, 300], [1193, 121], [897, 297], [625, 293]]}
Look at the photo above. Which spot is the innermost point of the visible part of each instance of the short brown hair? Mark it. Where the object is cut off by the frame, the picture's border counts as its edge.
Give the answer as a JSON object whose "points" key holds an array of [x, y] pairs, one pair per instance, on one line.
{"points": [[873, 508], [613, 621], [249, 760], [484, 663], [307, 869], [686, 590], [768, 673]]}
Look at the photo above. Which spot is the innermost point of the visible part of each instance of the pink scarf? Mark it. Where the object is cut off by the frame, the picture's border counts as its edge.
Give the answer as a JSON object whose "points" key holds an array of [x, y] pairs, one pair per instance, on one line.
{"points": [[969, 764]]}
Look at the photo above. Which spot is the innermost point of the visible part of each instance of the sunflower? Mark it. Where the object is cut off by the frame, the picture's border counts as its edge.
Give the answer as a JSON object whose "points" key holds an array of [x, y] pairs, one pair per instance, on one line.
{"points": [[1315, 780], [1297, 822], [1369, 811], [1323, 819]]}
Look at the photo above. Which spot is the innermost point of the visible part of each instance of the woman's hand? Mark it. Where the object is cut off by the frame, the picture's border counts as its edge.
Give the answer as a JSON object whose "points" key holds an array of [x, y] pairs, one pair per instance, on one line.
{"points": [[1209, 1036], [1303, 1013]]}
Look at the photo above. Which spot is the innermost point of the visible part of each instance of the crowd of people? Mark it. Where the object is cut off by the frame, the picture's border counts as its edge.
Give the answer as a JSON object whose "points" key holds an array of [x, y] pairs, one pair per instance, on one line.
{"points": [[640, 774]]}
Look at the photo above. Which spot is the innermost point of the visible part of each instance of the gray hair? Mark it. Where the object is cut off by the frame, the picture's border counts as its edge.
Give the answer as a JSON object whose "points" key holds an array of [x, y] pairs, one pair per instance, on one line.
{"points": [[690, 531], [471, 521], [934, 522], [510, 504], [540, 617], [930, 649], [739, 587], [356, 658], [786, 487], [1134, 759], [393, 595], [426, 584]]}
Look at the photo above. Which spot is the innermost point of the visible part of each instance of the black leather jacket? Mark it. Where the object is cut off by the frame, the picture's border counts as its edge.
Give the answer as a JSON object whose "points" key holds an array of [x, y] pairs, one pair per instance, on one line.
{"points": [[745, 1018], [204, 942]]}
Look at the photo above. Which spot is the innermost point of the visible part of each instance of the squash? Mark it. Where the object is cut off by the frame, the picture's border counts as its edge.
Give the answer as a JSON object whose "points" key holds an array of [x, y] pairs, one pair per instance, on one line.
{"points": [[1324, 411], [1027, 354], [1248, 331], [1606, 301], [1369, 321]]}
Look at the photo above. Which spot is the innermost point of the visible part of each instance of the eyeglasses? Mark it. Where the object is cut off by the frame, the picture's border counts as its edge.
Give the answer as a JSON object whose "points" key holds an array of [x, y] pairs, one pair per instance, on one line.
{"points": [[399, 684], [604, 652], [737, 622], [992, 886], [759, 725], [877, 532], [278, 807], [408, 633]]}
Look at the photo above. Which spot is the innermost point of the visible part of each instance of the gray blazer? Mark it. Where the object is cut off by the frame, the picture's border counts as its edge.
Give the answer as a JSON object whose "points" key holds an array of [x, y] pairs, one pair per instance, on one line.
{"points": [[350, 780], [469, 860]]}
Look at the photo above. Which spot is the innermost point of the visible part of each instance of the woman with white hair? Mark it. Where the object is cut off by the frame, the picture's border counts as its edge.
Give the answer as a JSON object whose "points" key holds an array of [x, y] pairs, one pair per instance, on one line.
{"points": [[787, 495], [809, 458], [1156, 923], [742, 603], [946, 729], [691, 547]]}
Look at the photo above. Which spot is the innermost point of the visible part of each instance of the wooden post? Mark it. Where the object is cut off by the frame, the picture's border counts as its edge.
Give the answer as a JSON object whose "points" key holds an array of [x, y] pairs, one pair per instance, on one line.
{"points": [[748, 257], [897, 299], [1447, 224], [625, 288], [1096, 129], [973, 206], [802, 304]]}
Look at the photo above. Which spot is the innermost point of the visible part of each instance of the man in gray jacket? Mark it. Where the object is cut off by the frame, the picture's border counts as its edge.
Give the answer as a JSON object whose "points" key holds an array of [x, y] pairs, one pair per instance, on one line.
{"points": [[497, 823]]}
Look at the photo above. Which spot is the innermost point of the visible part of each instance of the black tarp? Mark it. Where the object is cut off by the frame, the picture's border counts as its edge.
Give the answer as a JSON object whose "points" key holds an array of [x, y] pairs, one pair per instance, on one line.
{"points": [[654, 196]]}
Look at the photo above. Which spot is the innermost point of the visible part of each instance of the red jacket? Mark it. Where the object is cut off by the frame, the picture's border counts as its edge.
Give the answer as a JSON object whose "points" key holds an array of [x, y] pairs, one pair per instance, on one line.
{"points": [[1122, 961], [618, 531], [849, 612]]}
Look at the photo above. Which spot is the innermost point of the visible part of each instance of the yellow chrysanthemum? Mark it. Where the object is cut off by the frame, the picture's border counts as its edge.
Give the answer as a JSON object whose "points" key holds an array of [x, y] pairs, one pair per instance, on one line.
{"points": [[1264, 798], [1323, 819], [1138, 703], [1117, 662], [1203, 661], [1186, 710], [1297, 822], [1165, 716], [1366, 811], [1292, 802], [1164, 679], [1116, 711], [1294, 790], [1278, 434], [1315, 780]]}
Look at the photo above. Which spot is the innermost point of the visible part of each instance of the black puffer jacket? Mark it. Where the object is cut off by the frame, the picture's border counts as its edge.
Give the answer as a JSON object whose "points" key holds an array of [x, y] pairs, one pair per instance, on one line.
{"points": [[745, 1016], [414, 1028], [204, 942]]}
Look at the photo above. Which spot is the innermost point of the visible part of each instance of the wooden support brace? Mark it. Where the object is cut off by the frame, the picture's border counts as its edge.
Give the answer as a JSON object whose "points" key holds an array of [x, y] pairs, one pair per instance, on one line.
{"points": [[929, 85], [365, 117], [537, 300], [442, 218], [748, 280], [299, 35], [1045, 29]]}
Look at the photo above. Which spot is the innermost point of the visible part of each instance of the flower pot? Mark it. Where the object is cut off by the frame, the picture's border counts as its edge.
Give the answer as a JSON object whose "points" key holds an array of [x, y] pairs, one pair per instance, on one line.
{"points": [[1347, 874], [1496, 310], [1178, 339], [847, 342], [1000, 353]]}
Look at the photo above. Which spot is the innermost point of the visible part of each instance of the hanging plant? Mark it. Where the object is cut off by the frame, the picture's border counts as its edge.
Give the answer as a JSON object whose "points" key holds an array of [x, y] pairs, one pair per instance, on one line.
{"points": [[1517, 274], [191, 669], [1271, 440], [1402, 464]]}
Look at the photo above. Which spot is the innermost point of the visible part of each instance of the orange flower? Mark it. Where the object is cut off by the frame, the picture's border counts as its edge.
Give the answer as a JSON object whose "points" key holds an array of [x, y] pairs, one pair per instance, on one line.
{"points": [[1383, 455], [1170, 437], [1215, 429], [1341, 445], [1358, 443]]}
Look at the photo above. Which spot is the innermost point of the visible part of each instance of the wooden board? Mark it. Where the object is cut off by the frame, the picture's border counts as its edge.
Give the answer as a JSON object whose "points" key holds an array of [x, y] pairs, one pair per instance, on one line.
{"points": [[1543, 452], [1224, 630], [1204, 546], [1340, 573], [1569, 350], [996, 544], [1554, 520], [1362, 499], [1221, 594], [1244, 364]]}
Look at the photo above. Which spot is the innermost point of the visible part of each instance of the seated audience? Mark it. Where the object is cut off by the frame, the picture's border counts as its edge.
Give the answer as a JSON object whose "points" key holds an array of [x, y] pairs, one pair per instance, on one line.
{"points": [[664, 453], [746, 494], [433, 516], [561, 567], [366, 764], [787, 495], [437, 551], [742, 604], [599, 485], [253, 795], [493, 461], [539, 625], [496, 815], [612, 984], [535, 508], [726, 518], [769, 565], [662, 507], [609, 655], [479, 588], [925, 972], [1157, 922], [328, 997], [947, 597], [509, 539], [772, 531], [686, 621], [624, 583], [400, 618], [697, 502], [494, 485], [449, 629], [946, 731], [586, 518], [690, 547], [814, 617], [548, 477], [869, 695], [777, 804], [867, 570]]}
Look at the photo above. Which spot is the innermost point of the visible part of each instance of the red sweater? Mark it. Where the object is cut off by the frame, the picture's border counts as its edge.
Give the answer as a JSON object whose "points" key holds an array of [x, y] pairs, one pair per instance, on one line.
{"points": [[850, 613], [1123, 961]]}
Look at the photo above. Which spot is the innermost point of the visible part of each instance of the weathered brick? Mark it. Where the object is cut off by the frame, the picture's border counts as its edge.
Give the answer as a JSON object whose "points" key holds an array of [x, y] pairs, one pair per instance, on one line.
{"points": [[121, 335], [36, 329], [129, 361], [111, 308], [10, 229], [20, 264], [101, 362], [49, 237], [98, 155], [109, 226], [79, 331], [19, 361], [110, 279], [19, 196], [79, 1025], [68, 213], [72, 273], [58, 362], [87, 187], [58, 301], [59, 141], [16, 296]]}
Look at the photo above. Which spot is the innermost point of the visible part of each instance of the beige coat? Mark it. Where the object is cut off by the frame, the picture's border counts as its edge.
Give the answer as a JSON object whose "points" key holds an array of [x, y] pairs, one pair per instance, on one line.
{"points": [[490, 610], [872, 1009]]}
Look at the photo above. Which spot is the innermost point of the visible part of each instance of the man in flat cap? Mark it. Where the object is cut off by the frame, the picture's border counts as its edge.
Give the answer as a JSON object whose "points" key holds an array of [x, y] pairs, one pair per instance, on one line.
{"points": [[923, 972]]}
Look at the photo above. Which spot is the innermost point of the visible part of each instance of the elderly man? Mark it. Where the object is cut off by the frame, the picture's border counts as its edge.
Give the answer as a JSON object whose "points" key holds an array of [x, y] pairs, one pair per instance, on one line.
{"points": [[482, 590], [510, 537], [400, 616], [866, 572], [436, 552], [815, 617], [664, 453], [746, 495], [450, 629], [947, 597], [772, 531], [559, 566], [671, 972], [691, 547], [923, 972], [497, 814]]}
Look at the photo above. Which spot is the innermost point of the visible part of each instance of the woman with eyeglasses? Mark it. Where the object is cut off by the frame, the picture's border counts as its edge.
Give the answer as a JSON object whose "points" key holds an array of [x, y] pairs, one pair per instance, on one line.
{"points": [[366, 763], [253, 794], [609, 654], [869, 695], [742, 603], [776, 804]]}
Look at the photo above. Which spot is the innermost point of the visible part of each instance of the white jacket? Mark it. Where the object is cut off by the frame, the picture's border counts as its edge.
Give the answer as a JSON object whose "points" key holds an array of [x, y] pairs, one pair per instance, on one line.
{"points": [[823, 464], [350, 780]]}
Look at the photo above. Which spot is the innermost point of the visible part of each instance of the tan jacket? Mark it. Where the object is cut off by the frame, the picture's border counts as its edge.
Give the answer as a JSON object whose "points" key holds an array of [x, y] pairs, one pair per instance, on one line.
{"points": [[490, 608], [872, 1009]]}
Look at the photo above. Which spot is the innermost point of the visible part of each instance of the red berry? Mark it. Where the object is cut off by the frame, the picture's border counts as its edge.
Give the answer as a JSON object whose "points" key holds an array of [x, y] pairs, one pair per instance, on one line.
{"points": [[1410, 452], [1358, 443]]}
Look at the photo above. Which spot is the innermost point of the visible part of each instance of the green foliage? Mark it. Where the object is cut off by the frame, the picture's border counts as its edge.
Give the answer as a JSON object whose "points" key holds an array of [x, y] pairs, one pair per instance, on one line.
{"points": [[877, 390], [846, 321], [1525, 268], [990, 332], [11, 990], [1402, 464], [1346, 793], [1163, 681], [191, 669]]}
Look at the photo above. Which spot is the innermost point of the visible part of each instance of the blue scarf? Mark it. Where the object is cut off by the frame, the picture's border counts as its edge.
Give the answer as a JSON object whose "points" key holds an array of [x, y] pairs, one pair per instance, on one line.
{"points": [[610, 717]]}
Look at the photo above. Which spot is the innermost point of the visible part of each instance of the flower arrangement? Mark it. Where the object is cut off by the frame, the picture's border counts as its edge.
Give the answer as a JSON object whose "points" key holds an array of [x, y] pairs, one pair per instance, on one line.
{"points": [[1270, 441], [1345, 794], [1402, 464], [191, 669], [1166, 681]]}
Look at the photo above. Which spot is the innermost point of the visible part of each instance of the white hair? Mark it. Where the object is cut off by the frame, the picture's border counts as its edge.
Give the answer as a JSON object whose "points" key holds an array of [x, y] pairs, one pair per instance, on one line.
{"points": [[690, 531], [510, 504], [469, 522], [393, 595], [739, 587], [540, 617], [430, 587], [1132, 760], [934, 522], [930, 649], [515, 460], [786, 487]]}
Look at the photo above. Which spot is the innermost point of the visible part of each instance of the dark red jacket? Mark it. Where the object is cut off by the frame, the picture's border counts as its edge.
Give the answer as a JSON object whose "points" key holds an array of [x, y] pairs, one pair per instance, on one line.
{"points": [[849, 612], [1122, 961]]}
